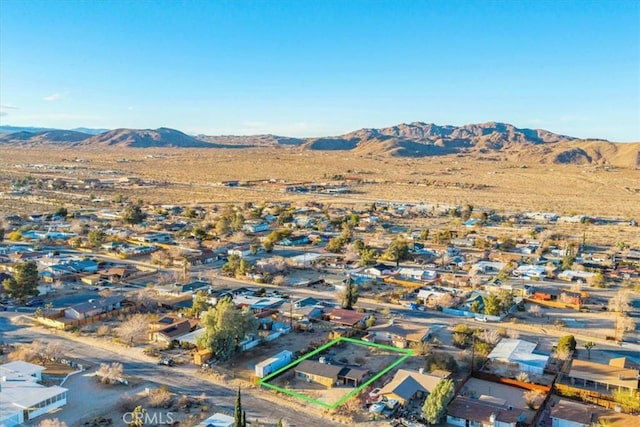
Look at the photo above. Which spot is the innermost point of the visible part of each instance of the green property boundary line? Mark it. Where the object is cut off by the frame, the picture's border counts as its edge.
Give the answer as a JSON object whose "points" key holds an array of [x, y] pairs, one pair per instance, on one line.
{"points": [[265, 381]]}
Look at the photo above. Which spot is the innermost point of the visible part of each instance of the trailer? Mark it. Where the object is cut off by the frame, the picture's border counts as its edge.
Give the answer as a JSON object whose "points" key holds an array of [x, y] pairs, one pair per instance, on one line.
{"points": [[274, 363]]}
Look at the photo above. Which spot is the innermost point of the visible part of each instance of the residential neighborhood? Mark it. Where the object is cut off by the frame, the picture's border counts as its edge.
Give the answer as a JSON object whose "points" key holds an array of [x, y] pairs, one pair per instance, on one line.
{"points": [[379, 314]]}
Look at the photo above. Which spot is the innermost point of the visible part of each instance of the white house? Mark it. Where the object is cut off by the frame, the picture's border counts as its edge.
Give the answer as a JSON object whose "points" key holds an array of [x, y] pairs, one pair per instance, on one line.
{"points": [[22, 398], [218, 420], [519, 352]]}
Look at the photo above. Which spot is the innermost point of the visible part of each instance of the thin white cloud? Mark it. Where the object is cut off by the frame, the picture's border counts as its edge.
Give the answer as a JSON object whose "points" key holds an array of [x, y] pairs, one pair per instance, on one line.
{"points": [[53, 97], [5, 107]]}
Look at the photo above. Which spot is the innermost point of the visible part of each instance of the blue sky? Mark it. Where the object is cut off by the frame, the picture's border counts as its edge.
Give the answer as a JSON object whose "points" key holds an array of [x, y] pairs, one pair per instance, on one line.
{"points": [[321, 67]]}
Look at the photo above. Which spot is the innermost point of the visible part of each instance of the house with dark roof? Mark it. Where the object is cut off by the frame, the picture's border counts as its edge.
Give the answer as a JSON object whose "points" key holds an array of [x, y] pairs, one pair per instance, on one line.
{"points": [[342, 317], [172, 332], [94, 307]]}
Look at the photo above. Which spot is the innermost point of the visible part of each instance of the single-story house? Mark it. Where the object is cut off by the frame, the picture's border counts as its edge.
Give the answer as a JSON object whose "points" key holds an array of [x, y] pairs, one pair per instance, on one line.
{"points": [[255, 227], [592, 375], [154, 237], [93, 307], [342, 317], [407, 385], [398, 334], [484, 411], [218, 420], [172, 331], [567, 413], [380, 270], [320, 373], [23, 399], [521, 353]]}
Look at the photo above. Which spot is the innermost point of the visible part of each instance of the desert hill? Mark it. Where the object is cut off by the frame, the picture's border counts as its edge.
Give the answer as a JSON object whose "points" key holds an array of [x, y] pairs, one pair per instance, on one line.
{"points": [[492, 141], [145, 138], [44, 137]]}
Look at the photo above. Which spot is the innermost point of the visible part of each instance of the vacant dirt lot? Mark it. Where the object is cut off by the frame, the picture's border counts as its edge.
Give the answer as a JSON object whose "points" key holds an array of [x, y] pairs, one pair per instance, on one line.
{"points": [[193, 176]]}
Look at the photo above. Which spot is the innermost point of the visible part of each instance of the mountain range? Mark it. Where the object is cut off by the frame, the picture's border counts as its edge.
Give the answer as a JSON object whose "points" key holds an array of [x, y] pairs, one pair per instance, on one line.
{"points": [[491, 140]]}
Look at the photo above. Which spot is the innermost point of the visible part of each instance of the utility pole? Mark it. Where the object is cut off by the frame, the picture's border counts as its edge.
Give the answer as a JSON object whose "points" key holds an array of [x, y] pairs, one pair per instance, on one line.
{"points": [[291, 311]]}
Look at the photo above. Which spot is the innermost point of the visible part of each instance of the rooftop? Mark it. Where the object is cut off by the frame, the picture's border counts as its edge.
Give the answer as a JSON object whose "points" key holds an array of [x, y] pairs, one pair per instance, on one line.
{"points": [[518, 351], [320, 369], [604, 374]]}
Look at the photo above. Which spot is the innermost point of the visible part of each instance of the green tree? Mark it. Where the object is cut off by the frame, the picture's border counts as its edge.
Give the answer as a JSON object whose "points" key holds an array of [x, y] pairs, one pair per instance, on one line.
{"points": [[199, 233], [62, 212], [368, 256], [1, 234], [397, 251], [133, 214], [597, 280], [504, 273], [506, 300], [435, 406], [467, 211], [335, 245], [349, 295], [96, 237], [239, 416], [284, 217], [280, 423], [491, 305], [24, 283], [225, 326], [424, 234], [137, 416], [237, 222], [588, 346], [15, 236], [566, 344], [200, 303], [236, 266], [221, 226], [628, 399], [267, 245], [475, 307]]}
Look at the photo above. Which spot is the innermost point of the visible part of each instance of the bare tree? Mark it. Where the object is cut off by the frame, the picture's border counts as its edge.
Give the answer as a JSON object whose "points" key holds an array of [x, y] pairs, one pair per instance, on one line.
{"points": [[446, 300], [279, 280], [146, 298], [523, 377], [133, 328], [53, 350], [513, 334], [620, 302], [491, 336], [110, 374], [535, 311], [533, 399]]}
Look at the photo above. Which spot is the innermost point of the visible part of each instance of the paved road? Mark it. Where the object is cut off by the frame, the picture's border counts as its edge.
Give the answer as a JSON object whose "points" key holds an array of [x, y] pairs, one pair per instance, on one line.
{"points": [[187, 380]]}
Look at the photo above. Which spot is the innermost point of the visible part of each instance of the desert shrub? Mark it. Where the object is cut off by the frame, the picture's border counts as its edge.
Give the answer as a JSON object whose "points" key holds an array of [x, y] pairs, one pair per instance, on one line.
{"points": [[160, 398], [441, 360], [103, 330], [127, 403]]}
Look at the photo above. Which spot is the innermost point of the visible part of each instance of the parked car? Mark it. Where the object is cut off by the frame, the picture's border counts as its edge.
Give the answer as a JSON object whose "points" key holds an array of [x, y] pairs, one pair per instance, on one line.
{"points": [[36, 302], [166, 362]]}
